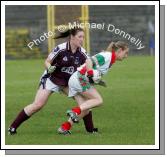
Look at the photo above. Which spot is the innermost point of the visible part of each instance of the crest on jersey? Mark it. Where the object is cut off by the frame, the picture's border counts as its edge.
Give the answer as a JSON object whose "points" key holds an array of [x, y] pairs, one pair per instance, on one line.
{"points": [[65, 58]]}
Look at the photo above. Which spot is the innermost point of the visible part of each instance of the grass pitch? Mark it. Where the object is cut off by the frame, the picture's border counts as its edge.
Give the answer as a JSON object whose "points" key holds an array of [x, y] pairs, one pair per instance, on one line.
{"points": [[126, 117]]}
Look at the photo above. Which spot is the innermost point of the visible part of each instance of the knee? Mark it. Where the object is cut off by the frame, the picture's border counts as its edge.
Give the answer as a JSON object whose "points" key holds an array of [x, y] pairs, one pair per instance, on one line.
{"points": [[100, 100]]}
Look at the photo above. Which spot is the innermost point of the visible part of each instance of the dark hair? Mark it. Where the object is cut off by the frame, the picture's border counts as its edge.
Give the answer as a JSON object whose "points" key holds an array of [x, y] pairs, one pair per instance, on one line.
{"points": [[69, 32]]}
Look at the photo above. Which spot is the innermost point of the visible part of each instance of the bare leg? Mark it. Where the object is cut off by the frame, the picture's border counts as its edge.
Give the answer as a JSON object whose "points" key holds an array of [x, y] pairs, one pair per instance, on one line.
{"points": [[86, 115], [40, 100], [94, 99], [79, 99]]}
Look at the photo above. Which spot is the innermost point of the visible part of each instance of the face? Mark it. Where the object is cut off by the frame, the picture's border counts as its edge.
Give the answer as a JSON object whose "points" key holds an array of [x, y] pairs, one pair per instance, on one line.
{"points": [[78, 39], [122, 54]]}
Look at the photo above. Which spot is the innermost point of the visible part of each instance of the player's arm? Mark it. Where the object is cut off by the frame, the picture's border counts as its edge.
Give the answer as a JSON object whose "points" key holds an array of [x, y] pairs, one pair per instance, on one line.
{"points": [[89, 66], [91, 73], [48, 62], [48, 65], [51, 57]]}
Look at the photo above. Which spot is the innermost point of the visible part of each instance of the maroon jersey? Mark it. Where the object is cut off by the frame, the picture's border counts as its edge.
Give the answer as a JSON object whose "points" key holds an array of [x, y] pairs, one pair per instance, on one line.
{"points": [[66, 62]]}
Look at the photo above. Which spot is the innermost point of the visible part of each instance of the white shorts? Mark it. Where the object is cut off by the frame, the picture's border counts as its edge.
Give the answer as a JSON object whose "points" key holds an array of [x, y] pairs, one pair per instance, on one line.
{"points": [[75, 85], [46, 83]]}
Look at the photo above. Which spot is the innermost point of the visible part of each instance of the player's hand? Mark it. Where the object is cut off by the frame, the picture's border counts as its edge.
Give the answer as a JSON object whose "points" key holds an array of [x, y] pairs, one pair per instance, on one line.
{"points": [[94, 76], [51, 69], [90, 76]]}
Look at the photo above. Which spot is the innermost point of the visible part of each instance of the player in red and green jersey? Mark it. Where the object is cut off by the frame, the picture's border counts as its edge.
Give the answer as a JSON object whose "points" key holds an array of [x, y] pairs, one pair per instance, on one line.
{"points": [[81, 83]]}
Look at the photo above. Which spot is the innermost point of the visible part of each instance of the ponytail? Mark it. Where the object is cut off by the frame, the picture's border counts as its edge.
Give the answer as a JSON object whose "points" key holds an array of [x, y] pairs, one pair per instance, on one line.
{"points": [[116, 45], [111, 46], [69, 32], [63, 34]]}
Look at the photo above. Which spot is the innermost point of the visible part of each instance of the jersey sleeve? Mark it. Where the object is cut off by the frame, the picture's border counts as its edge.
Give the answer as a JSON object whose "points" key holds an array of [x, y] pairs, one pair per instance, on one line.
{"points": [[101, 61], [54, 53], [84, 55], [103, 58], [83, 51]]}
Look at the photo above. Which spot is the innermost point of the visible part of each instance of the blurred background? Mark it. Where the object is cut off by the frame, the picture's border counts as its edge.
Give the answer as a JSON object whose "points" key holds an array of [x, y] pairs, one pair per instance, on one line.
{"points": [[27, 23], [129, 98]]}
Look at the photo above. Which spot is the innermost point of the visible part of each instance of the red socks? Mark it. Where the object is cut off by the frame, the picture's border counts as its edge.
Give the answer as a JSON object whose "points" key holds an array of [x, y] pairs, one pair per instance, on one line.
{"points": [[66, 125], [76, 110]]}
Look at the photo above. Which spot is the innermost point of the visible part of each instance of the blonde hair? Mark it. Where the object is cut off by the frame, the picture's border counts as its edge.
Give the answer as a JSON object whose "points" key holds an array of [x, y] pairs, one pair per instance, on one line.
{"points": [[116, 45]]}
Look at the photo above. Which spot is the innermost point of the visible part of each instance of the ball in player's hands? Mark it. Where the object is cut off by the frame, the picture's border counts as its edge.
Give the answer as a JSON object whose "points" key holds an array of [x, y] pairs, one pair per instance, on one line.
{"points": [[96, 76]]}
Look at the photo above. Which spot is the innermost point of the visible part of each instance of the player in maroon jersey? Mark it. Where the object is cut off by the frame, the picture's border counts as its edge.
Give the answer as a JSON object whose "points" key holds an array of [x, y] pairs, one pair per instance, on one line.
{"points": [[61, 63]]}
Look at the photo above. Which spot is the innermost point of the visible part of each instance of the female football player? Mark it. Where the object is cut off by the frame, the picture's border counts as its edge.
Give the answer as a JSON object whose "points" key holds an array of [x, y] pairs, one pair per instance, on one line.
{"points": [[81, 82], [61, 63]]}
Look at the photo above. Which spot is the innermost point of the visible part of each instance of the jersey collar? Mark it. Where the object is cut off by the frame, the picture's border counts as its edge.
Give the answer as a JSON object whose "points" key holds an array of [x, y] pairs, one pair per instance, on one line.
{"points": [[68, 47], [113, 58]]}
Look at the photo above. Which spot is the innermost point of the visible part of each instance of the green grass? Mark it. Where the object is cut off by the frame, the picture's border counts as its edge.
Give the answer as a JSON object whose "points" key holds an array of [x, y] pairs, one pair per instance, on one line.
{"points": [[126, 117]]}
